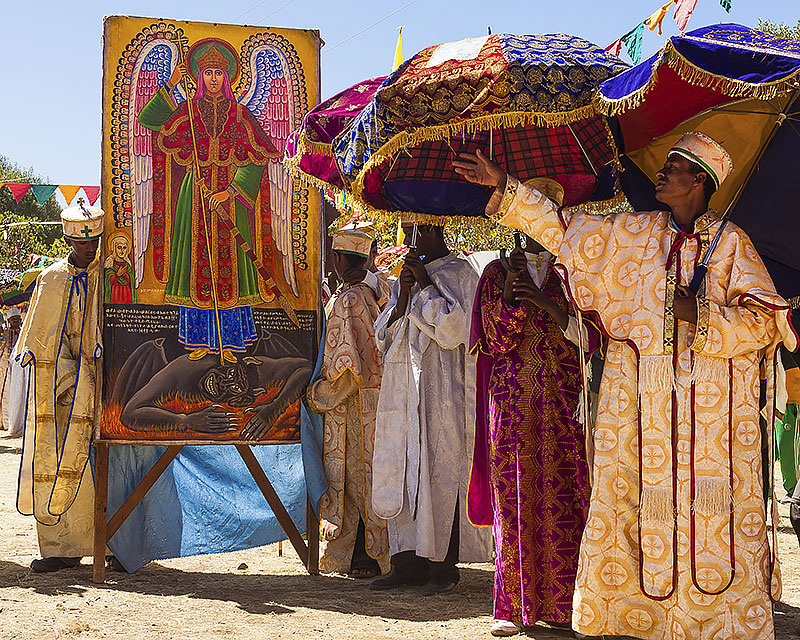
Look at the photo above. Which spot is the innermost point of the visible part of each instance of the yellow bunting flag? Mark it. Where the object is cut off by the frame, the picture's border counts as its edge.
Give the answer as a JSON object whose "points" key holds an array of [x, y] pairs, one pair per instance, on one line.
{"points": [[398, 52], [658, 17], [69, 191]]}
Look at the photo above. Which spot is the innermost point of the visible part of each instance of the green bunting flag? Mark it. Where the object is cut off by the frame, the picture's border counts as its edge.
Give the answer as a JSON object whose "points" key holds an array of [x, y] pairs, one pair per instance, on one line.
{"points": [[42, 192], [633, 42]]}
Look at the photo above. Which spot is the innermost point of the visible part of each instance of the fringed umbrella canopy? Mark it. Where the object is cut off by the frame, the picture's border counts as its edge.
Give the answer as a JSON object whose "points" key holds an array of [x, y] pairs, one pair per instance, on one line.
{"points": [[525, 99], [308, 148], [740, 86]]}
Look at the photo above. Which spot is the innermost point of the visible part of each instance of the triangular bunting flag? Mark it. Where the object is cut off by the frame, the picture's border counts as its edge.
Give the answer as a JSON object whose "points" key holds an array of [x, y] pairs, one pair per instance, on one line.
{"points": [[42, 192], [2, 184], [658, 17], [683, 11], [92, 194], [633, 42], [615, 48], [398, 51], [69, 191], [18, 189], [726, 4]]}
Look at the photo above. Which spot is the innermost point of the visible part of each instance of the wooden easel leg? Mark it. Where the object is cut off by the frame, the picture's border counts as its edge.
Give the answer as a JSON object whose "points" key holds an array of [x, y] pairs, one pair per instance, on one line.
{"points": [[312, 535], [141, 489], [274, 501], [100, 505]]}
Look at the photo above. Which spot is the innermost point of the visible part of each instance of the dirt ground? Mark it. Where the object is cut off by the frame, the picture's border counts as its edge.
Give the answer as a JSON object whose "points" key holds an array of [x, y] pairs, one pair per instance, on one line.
{"points": [[210, 597]]}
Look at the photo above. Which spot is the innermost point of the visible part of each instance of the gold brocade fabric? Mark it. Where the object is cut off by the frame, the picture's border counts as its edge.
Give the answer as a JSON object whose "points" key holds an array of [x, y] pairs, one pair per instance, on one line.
{"points": [[675, 545], [60, 332], [347, 394]]}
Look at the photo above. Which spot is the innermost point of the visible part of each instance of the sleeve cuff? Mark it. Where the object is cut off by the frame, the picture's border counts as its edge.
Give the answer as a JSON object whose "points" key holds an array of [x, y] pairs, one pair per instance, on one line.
{"points": [[167, 95], [701, 330], [500, 202]]}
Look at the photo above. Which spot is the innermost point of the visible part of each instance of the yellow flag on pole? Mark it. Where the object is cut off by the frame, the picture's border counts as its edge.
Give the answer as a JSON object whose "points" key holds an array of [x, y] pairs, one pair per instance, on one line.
{"points": [[398, 52]]}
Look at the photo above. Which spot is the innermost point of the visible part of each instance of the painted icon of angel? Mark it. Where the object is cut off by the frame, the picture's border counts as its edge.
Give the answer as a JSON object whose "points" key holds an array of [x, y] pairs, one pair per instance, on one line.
{"points": [[204, 174]]}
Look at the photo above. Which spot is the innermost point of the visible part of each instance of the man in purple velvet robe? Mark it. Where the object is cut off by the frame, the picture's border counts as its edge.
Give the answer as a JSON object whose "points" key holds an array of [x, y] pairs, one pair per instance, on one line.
{"points": [[529, 477]]}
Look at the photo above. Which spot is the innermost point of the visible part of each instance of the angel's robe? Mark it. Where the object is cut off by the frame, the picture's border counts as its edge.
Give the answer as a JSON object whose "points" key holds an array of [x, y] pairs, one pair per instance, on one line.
{"points": [[60, 343], [425, 428], [232, 153], [675, 544], [347, 395]]}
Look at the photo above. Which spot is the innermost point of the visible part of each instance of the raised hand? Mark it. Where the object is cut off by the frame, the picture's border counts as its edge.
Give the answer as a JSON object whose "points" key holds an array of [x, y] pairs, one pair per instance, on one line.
{"points": [[177, 74], [477, 168], [417, 268], [526, 291]]}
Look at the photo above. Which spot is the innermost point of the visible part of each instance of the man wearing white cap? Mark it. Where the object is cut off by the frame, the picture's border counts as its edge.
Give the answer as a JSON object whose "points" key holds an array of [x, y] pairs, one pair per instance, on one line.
{"points": [[347, 394], [675, 544], [61, 342]]}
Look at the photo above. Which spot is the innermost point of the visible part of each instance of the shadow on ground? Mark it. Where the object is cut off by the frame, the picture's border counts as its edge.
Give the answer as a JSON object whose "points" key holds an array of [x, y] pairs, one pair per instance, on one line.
{"points": [[272, 594]]}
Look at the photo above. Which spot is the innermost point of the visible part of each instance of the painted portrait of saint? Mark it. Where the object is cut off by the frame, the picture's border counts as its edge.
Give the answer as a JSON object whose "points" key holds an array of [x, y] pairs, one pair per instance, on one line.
{"points": [[118, 272]]}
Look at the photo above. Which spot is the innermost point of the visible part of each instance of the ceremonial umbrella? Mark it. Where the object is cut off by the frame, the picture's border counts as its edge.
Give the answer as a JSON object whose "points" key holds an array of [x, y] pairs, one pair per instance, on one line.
{"points": [[14, 291], [526, 99], [308, 148], [740, 86], [9, 286]]}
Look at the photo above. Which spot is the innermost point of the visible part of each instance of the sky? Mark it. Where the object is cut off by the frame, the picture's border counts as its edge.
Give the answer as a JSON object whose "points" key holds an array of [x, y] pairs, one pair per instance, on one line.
{"points": [[50, 109]]}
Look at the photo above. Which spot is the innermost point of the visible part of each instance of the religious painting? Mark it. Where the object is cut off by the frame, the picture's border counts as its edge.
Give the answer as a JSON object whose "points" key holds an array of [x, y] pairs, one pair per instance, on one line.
{"points": [[211, 257]]}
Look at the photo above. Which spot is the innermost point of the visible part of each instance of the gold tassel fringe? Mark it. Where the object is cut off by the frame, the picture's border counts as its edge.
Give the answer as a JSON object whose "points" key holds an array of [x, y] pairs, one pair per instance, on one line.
{"points": [[691, 73], [656, 505], [473, 125]]}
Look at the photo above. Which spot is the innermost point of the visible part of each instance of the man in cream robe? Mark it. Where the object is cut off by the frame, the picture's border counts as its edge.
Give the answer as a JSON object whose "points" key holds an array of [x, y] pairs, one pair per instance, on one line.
{"points": [[60, 344], [675, 544], [426, 420], [347, 394]]}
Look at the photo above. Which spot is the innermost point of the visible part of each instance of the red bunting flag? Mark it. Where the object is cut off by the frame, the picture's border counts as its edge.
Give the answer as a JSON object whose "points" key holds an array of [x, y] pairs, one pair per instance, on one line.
{"points": [[18, 189], [92, 194], [69, 191], [683, 12], [615, 48]]}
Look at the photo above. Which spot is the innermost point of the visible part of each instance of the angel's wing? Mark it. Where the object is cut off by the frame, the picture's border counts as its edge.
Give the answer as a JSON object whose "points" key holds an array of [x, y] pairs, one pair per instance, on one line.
{"points": [[154, 64], [270, 100]]}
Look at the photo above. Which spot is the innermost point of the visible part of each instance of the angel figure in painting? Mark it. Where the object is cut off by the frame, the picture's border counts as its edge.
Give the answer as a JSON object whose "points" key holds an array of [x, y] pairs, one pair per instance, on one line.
{"points": [[210, 232], [118, 272]]}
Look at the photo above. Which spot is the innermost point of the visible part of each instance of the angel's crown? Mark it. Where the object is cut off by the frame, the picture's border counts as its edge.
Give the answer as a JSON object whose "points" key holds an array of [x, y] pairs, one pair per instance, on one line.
{"points": [[212, 58]]}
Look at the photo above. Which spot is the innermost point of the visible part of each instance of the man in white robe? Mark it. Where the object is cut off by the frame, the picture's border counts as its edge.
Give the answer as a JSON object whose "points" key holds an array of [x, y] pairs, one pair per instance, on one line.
{"points": [[426, 420]]}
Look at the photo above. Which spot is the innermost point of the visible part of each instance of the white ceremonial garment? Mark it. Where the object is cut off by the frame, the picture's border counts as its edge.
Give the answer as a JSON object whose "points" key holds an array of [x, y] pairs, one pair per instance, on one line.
{"points": [[425, 427]]}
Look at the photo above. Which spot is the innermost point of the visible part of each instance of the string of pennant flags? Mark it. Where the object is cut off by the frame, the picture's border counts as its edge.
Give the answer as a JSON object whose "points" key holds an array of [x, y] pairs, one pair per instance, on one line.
{"points": [[43, 192], [633, 39]]}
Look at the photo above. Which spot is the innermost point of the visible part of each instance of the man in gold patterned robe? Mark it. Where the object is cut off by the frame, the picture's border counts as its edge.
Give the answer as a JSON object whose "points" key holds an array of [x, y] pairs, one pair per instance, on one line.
{"points": [[60, 342], [347, 394], [675, 545]]}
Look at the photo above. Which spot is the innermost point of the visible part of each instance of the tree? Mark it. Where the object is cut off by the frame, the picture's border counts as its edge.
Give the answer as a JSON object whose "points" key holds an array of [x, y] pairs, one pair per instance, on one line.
{"points": [[779, 29], [18, 243]]}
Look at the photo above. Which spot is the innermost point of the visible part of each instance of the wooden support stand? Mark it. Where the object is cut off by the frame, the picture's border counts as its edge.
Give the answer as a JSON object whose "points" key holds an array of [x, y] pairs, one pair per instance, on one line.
{"points": [[104, 528]]}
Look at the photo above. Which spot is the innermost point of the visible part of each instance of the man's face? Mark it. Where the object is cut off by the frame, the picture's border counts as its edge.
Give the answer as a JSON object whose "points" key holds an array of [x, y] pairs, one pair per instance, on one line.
{"points": [[213, 79], [15, 322], [675, 180], [83, 251]]}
